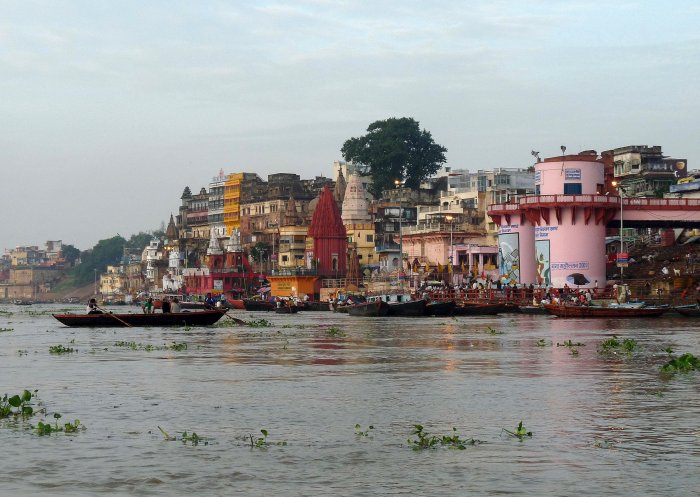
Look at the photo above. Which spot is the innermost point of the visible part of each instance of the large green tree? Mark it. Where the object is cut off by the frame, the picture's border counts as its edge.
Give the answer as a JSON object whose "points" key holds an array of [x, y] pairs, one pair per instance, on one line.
{"points": [[395, 149], [106, 252]]}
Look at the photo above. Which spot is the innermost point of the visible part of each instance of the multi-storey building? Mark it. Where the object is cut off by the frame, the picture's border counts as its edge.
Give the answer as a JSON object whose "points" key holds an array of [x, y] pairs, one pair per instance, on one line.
{"points": [[644, 171], [238, 189], [215, 215]]}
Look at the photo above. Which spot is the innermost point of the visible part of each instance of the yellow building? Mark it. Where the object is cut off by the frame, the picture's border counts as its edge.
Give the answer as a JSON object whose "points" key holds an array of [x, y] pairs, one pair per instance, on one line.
{"points": [[232, 202], [113, 283], [292, 247], [361, 238]]}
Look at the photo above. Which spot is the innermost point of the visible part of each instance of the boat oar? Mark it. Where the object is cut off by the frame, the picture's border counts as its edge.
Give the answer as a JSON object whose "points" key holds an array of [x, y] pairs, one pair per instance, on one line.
{"points": [[115, 317], [237, 321]]}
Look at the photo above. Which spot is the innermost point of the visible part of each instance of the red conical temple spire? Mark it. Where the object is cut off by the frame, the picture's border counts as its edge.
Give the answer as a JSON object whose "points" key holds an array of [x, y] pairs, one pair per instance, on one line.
{"points": [[329, 236]]}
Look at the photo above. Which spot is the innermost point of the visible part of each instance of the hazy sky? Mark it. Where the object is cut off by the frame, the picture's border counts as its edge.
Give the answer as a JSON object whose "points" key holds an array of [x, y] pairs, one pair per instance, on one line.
{"points": [[108, 109]]}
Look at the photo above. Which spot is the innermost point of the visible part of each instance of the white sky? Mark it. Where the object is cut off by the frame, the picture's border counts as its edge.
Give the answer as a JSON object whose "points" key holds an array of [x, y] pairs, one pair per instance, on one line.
{"points": [[109, 109]]}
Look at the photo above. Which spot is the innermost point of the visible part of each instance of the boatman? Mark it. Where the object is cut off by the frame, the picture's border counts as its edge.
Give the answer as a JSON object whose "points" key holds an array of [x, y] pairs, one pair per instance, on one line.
{"points": [[92, 307]]}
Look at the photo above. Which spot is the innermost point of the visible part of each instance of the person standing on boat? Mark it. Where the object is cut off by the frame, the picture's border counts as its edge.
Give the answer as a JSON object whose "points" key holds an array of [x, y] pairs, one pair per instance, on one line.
{"points": [[175, 305], [92, 307], [165, 305]]}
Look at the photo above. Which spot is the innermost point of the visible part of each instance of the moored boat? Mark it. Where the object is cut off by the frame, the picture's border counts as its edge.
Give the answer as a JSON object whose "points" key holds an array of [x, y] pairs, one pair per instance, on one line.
{"points": [[688, 311], [258, 305], [369, 309], [486, 309], [440, 307], [532, 309], [401, 304], [595, 311], [110, 320], [287, 309]]}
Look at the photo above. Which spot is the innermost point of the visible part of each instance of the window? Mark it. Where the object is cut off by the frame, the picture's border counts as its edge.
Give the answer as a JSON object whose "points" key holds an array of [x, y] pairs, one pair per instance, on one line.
{"points": [[572, 188], [370, 238], [537, 189]]}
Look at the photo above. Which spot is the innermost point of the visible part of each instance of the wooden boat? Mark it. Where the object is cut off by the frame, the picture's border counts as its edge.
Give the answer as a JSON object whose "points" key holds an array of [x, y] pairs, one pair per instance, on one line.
{"points": [[338, 307], [688, 311], [401, 304], [22, 302], [109, 320], [318, 306], [287, 309], [440, 307], [532, 309], [486, 309], [369, 309], [258, 305], [595, 311]]}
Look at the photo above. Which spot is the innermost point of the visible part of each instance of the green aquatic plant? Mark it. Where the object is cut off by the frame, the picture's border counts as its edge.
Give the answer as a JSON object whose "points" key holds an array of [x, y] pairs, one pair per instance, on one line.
{"points": [[6, 329], [424, 440], [520, 432], [69, 427], [335, 332], [178, 347], [492, 331], [541, 342], [569, 343], [17, 405], [259, 323], [60, 349], [363, 433], [683, 364], [262, 442], [614, 345], [191, 438]]}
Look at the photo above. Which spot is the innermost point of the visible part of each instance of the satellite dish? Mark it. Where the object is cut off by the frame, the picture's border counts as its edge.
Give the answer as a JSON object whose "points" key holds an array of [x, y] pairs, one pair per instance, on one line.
{"points": [[563, 149]]}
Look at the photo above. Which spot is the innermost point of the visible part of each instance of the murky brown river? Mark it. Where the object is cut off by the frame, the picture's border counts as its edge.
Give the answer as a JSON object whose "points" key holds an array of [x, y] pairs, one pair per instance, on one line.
{"points": [[603, 424]]}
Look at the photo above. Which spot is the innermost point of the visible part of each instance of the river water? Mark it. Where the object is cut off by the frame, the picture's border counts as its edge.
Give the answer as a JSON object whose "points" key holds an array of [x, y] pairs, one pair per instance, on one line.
{"points": [[602, 424]]}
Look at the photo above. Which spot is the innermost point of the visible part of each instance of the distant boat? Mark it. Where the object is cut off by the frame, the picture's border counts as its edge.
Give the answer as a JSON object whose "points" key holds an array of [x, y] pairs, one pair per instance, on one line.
{"points": [[287, 309], [532, 309], [688, 311], [401, 304], [109, 320], [258, 305], [611, 311], [368, 309], [485, 309], [22, 302], [440, 307]]}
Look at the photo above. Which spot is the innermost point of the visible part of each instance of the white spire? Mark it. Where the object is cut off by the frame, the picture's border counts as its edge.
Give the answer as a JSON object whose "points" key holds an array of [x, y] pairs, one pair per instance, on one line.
{"points": [[355, 205], [214, 247], [234, 242]]}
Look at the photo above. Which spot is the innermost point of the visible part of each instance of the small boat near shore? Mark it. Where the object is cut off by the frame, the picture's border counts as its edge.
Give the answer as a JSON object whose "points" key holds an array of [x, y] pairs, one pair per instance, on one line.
{"points": [[110, 320], [287, 309], [692, 311], [532, 309], [471, 309], [258, 305], [611, 311], [440, 307], [376, 308]]}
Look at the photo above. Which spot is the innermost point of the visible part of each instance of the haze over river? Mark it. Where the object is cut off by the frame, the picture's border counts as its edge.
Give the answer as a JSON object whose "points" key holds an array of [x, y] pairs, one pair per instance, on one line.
{"points": [[602, 424]]}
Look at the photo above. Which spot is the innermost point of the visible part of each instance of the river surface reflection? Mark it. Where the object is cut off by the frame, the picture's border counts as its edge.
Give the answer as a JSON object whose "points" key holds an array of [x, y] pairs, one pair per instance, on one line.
{"points": [[602, 424]]}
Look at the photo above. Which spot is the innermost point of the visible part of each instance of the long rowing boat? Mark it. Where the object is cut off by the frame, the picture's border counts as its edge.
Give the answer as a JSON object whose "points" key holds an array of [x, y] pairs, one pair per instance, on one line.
{"points": [[110, 320], [612, 311]]}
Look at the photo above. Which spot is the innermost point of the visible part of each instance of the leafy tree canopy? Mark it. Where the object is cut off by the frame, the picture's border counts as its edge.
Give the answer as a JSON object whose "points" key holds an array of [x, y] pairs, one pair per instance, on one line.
{"points": [[395, 149], [106, 252], [70, 253]]}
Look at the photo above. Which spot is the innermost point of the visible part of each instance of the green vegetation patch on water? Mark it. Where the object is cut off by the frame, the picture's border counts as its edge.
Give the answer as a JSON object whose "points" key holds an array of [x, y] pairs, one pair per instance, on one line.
{"points": [[683, 364]]}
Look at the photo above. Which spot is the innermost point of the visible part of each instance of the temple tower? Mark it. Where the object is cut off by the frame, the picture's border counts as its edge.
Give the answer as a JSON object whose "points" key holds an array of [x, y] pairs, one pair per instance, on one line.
{"points": [[329, 244]]}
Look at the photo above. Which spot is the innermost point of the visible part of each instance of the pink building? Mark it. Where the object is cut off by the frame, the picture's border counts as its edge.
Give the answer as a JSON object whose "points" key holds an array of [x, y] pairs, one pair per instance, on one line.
{"points": [[557, 236]]}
